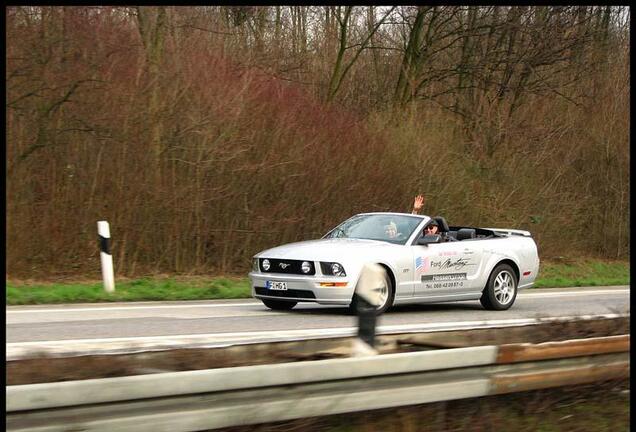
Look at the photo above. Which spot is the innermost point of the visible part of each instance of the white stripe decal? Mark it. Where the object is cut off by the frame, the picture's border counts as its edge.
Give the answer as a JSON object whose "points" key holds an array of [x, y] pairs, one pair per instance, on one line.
{"points": [[258, 303]]}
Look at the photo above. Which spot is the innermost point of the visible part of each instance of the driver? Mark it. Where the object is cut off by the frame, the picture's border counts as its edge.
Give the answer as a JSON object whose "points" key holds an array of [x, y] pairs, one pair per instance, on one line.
{"points": [[431, 228], [418, 203]]}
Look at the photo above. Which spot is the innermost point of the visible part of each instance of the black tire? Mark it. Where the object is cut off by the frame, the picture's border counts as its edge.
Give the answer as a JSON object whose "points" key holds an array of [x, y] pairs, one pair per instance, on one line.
{"points": [[279, 304], [390, 296], [501, 290]]}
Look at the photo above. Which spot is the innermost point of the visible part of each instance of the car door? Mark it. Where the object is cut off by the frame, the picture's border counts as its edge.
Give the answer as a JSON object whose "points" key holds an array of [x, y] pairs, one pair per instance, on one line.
{"points": [[448, 268]]}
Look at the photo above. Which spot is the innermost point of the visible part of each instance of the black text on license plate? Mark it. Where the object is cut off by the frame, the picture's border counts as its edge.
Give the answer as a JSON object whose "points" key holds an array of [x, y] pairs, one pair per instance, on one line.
{"points": [[273, 285]]}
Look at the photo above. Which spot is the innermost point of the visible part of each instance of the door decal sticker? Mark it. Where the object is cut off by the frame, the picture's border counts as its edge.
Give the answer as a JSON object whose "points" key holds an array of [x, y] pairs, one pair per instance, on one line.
{"points": [[444, 277], [422, 264], [450, 280], [452, 264]]}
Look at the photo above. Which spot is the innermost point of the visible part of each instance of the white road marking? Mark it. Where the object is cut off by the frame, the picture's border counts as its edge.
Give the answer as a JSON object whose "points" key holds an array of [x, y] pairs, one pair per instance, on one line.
{"points": [[120, 308], [398, 328], [522, 293], [572, 293]]}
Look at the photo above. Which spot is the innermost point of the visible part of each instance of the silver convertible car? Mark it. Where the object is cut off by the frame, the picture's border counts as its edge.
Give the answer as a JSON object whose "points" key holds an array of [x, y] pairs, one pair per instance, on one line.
{"points": [[459, 263]]}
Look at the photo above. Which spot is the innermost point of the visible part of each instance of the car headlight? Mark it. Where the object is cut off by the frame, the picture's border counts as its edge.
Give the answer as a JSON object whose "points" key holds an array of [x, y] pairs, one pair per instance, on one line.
{"points": [[265, 264], [337, 270], [306, 267], [255, 264], [332, 269]]}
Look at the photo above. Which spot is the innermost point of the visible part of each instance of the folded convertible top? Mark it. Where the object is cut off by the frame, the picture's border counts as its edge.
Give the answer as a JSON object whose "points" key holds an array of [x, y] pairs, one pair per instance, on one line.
{"points": [[510, 232]]}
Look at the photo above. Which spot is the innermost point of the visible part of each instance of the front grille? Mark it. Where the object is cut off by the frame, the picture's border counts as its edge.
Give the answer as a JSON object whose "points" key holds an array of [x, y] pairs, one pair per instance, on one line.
{"points": [[286, 266], [285, 293]]}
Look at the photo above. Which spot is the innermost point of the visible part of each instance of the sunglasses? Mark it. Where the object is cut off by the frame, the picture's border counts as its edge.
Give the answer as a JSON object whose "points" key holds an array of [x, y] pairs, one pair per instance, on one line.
{"points": [[431, 227]]}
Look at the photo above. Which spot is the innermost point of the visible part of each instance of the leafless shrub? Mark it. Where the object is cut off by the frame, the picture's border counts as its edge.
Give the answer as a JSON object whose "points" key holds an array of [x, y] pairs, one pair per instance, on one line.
{"points": [[202, 133]]}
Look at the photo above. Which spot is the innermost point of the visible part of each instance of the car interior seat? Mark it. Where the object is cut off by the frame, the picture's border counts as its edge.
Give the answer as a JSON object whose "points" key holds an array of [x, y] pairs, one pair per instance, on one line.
{"points": [[441, 222], [444, 229]]}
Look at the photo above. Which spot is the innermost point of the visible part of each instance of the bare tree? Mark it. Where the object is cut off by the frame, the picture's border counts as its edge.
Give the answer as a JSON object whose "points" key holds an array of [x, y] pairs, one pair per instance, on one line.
{"points": [[342, 67]]}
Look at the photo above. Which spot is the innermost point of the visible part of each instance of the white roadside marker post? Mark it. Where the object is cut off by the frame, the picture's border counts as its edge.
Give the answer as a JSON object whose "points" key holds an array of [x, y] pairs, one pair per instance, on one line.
{"points": [[108, 276]]}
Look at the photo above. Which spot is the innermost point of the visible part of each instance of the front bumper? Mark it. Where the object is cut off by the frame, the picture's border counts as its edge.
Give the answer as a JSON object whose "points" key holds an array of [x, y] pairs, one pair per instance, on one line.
{"points": [[302, 288]]}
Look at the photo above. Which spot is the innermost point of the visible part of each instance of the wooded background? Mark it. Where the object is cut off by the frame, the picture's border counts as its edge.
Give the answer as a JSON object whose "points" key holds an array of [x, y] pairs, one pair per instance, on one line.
{"points": [[206, 134]]}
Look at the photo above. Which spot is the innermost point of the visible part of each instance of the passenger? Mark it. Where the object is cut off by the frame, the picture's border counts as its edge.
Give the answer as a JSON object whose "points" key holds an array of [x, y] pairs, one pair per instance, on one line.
{"points": [[391, 230]]}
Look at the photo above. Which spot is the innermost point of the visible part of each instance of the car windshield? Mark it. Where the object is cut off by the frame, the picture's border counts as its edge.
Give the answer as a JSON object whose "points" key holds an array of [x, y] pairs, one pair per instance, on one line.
{"points": [[385, 227]]}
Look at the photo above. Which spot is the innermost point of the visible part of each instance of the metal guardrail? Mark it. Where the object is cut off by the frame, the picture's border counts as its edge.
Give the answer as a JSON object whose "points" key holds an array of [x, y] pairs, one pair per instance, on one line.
{"points": [[209, 399]]}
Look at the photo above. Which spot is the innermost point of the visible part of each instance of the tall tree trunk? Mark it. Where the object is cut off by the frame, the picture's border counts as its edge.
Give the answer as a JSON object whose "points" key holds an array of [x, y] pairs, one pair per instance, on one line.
{"points": [[260, 28], [464, 69], [152, 24], [411, 57], [277, 30], [374, 53], [334, 82]]}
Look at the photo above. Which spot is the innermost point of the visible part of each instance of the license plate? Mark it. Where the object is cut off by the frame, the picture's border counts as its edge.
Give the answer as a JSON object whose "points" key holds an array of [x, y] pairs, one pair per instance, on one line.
{"points": [[273, 285]]}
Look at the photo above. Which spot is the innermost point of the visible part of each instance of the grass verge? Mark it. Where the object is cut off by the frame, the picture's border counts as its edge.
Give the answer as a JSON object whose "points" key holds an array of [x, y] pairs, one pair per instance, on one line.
{"points": [[562, 274], [582, 273], [145, 289]]}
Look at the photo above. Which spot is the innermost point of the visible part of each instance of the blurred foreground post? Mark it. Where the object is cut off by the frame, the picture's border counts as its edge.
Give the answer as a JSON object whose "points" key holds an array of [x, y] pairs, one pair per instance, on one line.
{"points": [[108, 276], [367, 295]]}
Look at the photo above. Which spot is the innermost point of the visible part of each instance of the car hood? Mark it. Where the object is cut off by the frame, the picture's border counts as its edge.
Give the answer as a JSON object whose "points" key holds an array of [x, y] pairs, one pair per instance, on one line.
{"points": [[325, 249]]}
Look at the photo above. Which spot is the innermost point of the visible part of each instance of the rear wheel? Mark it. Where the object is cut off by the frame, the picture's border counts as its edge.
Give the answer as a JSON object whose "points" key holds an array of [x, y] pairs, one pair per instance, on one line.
{"points": [[278, 304], [501, 290]]}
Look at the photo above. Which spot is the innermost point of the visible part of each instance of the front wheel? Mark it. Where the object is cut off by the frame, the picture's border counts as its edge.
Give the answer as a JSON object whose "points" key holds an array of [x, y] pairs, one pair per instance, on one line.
{"points": [[279, 305], [501, 290], [386, 294]]}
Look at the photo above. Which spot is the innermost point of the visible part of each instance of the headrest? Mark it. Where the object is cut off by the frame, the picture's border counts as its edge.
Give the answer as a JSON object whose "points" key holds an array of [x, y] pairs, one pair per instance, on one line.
{"points": [[441, 223], [466, 233]]}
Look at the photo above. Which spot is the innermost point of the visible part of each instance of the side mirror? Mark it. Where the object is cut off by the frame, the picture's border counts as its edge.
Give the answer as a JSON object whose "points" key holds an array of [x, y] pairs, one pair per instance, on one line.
{"points": [[428, 239]]}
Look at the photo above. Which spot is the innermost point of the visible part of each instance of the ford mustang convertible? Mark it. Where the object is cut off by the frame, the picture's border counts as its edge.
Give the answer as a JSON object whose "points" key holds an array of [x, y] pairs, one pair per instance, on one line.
{"points": [[458, 264]]}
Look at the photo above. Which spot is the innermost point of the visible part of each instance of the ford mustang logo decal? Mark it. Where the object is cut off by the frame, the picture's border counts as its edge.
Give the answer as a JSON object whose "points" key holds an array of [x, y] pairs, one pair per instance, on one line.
{"points": [[284, 265]]}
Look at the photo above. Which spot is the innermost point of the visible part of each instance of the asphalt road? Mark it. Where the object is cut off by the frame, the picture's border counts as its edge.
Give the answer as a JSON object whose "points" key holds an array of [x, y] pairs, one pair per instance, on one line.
{"points": [[247, 318]]}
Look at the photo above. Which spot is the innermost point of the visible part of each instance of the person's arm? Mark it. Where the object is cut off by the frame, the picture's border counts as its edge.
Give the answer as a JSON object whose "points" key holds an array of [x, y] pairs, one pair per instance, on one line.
{"points": [[418, 203]]}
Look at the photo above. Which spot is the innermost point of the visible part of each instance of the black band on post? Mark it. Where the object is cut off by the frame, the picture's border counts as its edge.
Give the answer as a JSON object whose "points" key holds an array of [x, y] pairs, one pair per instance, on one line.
{"points": [[104, 244], [366, 321]]}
